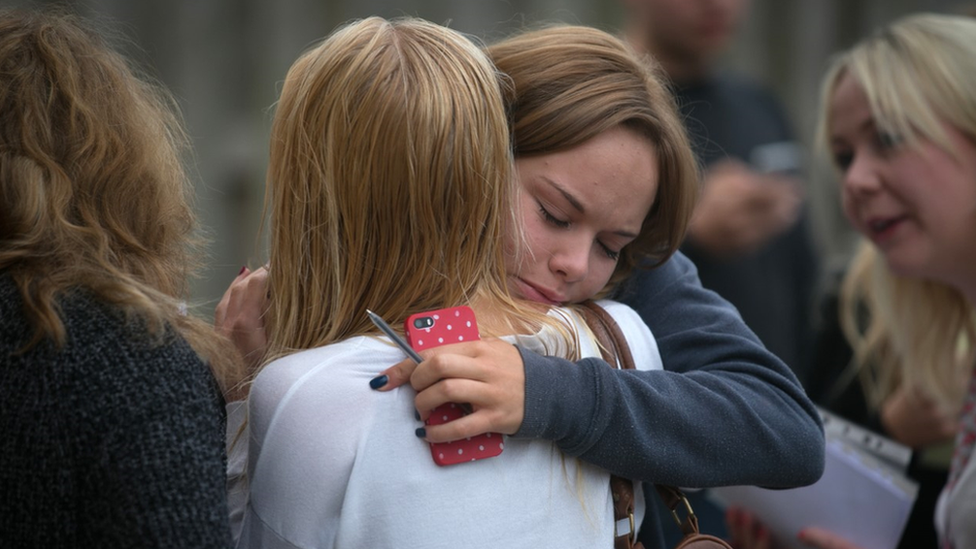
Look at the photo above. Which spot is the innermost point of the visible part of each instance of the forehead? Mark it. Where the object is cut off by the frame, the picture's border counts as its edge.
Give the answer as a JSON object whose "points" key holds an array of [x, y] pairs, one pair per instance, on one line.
{"points": [[849, 110], [616, 171]]}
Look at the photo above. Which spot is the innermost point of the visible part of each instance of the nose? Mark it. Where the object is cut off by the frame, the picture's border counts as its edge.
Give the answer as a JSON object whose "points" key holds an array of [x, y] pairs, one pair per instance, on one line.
{"points": [[861, 177], [570, 263]]}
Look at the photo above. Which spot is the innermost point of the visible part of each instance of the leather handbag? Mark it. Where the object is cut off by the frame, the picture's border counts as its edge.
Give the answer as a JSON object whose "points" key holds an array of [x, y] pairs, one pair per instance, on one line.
{"points": [[616, 352]]}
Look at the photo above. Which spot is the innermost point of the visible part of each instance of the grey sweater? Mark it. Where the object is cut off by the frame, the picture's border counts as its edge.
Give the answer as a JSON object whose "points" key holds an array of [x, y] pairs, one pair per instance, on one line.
{"points": [[724, 410], [109, 441]]}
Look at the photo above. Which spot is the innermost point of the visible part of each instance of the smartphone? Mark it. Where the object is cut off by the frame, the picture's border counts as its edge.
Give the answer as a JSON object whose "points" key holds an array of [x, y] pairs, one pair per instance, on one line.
{"points": [[442, 327]]}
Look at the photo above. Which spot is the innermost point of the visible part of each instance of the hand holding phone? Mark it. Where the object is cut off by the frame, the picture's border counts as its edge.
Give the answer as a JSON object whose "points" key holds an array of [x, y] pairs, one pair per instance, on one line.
{"points": [[442, 327]]}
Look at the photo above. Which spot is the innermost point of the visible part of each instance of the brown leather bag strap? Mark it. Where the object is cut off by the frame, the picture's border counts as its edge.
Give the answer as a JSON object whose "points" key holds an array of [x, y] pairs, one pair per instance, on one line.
{"points": [[616, 352], [613, 344], [672, 499]]}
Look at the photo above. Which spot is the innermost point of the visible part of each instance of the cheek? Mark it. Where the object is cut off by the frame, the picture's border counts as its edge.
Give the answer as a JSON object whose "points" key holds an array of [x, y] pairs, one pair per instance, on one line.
{"points": [[602, 274], [598, 275], [526, 249]]}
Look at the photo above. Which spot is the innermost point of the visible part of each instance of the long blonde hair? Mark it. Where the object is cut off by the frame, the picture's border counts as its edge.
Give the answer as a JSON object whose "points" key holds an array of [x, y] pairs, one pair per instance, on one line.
{"points": [[93, 192], [905, 330], [915, 73], [571, 83], [388, 184]]}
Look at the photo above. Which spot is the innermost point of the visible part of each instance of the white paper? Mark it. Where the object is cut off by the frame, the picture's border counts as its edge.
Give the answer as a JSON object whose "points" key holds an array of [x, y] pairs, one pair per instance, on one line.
{"points": [[887, 450], [858, 497]]}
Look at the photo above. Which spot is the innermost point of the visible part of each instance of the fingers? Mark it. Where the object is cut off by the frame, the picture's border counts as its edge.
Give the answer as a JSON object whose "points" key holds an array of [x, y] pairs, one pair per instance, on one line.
{"points": [[775, 206], [437, 364], [467, 391], [787, 204], [476, 360], [471, 425], [496, 407], [817, 537], [469, 360], [745, 530], [726, 168], [240, 315], [487, 376], [220, 314], [740, 210], [394, 376]]}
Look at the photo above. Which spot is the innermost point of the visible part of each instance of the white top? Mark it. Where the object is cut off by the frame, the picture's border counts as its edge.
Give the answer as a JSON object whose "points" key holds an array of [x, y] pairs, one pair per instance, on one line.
{"points": [[956, 510], [332, 463]]}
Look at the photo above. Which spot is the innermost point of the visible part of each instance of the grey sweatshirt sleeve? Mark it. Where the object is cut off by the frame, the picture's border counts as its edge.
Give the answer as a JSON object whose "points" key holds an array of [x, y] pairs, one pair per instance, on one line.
{"points": [[725, 411]]}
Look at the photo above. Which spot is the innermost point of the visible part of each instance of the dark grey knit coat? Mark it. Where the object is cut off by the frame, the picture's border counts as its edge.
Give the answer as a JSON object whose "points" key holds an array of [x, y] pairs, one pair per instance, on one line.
{"points": [[109, 441]]}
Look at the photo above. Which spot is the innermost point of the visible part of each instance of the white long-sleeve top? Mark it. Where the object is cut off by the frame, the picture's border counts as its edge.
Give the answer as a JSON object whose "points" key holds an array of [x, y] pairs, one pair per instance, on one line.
{"points": [[332, 463]]}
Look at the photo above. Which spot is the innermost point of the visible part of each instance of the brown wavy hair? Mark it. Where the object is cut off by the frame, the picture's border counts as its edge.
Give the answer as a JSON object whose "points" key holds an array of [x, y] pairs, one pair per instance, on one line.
{"points": [[93, 191], [571, 83]]}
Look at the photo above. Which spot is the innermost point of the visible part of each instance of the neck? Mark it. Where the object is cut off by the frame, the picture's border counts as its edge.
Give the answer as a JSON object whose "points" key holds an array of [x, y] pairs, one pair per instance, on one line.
{"points": [[493, 318]]}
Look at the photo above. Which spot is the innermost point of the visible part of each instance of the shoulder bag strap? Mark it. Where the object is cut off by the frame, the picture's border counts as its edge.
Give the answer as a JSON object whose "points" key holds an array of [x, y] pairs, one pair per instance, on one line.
{"points": [[616, 352]]}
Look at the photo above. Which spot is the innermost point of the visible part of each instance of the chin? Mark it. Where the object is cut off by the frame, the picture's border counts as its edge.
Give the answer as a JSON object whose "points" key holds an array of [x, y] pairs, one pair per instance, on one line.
{"points": [[911, 266]]}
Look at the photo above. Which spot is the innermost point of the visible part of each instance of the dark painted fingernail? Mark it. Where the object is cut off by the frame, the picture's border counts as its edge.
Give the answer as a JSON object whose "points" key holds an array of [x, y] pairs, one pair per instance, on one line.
{"points": [[420, 432], [244, 268], [416, 415], [378, 382]]}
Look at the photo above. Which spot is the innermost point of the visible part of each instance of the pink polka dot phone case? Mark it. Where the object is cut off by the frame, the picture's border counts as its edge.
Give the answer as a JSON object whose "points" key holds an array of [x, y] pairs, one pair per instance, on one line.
{"points": [[443, 327]]}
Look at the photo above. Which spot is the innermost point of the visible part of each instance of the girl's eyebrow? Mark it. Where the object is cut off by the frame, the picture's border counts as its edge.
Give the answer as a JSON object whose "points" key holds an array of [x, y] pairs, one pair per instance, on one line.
{"points": [[575, 203]]}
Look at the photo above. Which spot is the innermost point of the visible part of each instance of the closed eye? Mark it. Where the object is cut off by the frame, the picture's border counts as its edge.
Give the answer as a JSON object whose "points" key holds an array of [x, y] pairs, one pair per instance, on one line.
{"points": [[612, 254], [889, 140], [552, 219]]}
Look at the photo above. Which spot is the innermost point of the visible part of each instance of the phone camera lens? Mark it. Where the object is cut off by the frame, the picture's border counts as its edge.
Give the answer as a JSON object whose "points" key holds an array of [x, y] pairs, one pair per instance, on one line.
{"points": [[423, 323]]}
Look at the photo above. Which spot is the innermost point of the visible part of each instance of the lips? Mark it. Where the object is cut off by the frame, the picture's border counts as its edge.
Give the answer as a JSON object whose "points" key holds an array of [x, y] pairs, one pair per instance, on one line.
{"points": [[881, 227], [534, 293]]}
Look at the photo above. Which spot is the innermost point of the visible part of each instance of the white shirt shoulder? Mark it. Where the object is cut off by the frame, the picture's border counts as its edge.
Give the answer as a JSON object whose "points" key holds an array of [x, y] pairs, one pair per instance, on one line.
{"points": [[332, 463]]}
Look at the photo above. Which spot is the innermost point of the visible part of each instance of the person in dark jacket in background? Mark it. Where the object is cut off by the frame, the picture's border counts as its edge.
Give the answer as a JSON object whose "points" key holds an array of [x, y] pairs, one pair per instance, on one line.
{"points": [[750, 236]]}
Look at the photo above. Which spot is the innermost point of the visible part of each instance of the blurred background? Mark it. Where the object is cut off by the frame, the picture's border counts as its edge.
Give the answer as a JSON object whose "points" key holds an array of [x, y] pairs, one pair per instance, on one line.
{"points": [[224, 61]]}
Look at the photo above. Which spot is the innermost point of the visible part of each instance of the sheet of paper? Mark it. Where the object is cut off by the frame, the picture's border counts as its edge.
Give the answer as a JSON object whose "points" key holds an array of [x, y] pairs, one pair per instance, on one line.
{"points": [[859, 498], [887, 450]]}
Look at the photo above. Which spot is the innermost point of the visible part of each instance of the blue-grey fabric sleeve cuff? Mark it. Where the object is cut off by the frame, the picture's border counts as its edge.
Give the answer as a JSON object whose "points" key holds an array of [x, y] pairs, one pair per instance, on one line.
{"points": [[556, 403]]}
